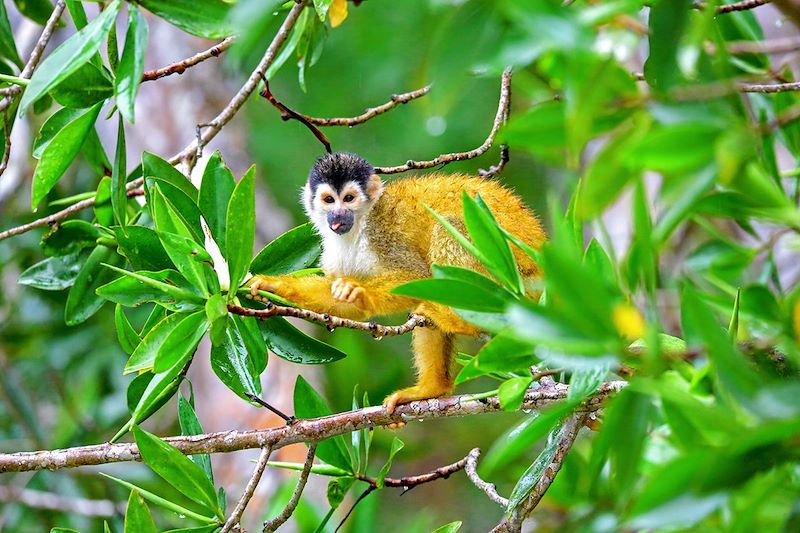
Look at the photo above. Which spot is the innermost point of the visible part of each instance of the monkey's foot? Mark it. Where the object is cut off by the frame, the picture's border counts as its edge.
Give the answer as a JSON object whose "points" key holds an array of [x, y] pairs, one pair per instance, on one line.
{"points": [[346, 291], [417, 392], [263, 283]]}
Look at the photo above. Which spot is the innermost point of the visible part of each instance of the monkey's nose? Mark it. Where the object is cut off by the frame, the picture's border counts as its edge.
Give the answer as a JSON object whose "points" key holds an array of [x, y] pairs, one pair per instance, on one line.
{"points": [[340, 221]]}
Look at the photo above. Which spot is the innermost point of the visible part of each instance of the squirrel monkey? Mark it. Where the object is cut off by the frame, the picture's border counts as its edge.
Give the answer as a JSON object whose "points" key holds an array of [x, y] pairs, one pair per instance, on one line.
{"points": [[377, 236]]}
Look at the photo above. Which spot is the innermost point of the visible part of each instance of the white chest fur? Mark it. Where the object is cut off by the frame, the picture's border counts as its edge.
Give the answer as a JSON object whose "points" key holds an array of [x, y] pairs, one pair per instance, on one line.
{"points": [[347, 255]]}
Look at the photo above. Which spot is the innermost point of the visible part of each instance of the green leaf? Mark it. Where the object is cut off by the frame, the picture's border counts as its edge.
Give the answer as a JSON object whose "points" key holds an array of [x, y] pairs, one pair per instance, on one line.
{"points": [[84, 88], [189, 257], [319, 468], [69, 56], [290, 46], [190, 425], [161, 170], [177, 470], [217, 314], [36, 10], [396, 446], [288, 342], [119, 196], [102, 203], [137, 515], [455, 293], [452, 527], [322, 7], [162, 502], [296, 249], [127, 336], [131, 64], [237, 360], [83, 301], [485, 233], [209, 20], [144, 355], [215, 193], [142, 247], [8, 49], [181, 342], [54, 124], [512, 392], [69, 237], [166, 287], [534, 472], [309, 404], [667, 21], [59, 153], [54, 273], [240, 222]]}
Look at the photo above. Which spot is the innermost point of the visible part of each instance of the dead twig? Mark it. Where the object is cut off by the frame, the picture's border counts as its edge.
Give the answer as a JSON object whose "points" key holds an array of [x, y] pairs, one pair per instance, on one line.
{"points": [[278, 521], [236, 515], [370, 112], [288, 114], [742, 5], [409, 482], [485, 486], [180, 67], [502, 113]]}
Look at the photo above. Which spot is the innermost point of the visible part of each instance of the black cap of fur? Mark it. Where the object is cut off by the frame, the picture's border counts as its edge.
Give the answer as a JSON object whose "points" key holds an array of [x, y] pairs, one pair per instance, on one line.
{"points": [[337, 169]]}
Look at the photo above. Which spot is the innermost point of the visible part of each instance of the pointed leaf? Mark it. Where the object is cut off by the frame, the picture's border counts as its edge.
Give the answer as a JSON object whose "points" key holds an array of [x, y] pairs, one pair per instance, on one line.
{"points": [[137, 516], [291, 344], [131, 64], [296, 249], [309, 404], [240, 228]]}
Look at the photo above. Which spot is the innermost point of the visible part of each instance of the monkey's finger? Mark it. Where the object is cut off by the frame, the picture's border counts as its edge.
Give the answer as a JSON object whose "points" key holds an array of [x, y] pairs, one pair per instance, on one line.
{"points": [[355, 294], [396, 425]]}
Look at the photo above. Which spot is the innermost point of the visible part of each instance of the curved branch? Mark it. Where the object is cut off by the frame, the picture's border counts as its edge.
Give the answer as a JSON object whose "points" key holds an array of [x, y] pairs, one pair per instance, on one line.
{"points": [[180, 67], [502, 113], [409, 482], [377, 330], [741, 5], [485, 486], [278, 521], [310, 430], [370, 112], [250, 488]]}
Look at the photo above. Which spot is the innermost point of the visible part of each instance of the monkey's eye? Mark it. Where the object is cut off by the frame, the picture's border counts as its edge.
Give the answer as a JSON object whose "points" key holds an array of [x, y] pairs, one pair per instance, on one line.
{"points": [[349, 198], [328, 199]]}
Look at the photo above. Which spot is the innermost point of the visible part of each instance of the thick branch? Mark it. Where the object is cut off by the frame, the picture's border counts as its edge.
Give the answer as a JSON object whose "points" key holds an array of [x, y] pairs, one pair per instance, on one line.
{"points": [[370, 112], [180, 67], [236, 514], [310, 430], [278, 521], [502, 113], [332, 322], [485, 486]]}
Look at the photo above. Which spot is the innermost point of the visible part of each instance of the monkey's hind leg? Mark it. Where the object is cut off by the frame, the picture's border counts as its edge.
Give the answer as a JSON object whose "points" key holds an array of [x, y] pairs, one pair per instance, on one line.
{"points": [[433, 351]]}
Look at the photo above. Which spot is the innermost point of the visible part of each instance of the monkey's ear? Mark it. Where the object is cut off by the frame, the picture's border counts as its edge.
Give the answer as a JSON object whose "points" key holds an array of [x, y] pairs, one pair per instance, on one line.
{"points": [[374, 187]]}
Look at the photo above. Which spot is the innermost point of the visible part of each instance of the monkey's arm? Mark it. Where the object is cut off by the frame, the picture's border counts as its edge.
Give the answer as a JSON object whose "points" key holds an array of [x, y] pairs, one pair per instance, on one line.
{"points": [[357, 299]]}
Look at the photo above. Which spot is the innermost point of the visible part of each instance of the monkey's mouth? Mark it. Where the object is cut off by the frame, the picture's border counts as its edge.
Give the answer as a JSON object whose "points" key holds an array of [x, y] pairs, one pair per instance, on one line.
{"points": [[340, 228], [341, 221]]}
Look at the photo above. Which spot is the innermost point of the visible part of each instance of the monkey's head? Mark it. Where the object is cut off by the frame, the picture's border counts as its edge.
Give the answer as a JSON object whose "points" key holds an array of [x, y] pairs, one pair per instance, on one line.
{"points": [[341, 188]]}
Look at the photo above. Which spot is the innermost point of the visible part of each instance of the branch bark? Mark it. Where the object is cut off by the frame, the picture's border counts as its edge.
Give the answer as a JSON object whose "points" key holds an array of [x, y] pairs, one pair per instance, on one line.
{"points": [[278, 521], [180, 67], [310, 430], [485, 486], [236, 515]]}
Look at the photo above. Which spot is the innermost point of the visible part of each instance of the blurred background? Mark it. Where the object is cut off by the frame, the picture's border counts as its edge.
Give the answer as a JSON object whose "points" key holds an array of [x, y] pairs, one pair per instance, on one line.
{"points": [[62, 386]]}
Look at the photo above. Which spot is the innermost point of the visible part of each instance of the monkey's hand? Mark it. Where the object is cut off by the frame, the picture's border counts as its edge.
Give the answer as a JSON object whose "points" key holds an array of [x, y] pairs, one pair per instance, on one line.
{"points": [[347, 291], [265, 283]]}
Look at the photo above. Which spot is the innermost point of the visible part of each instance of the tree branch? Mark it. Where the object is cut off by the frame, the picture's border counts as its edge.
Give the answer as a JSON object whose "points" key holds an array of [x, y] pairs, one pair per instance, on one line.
{"points": [[250, 488], [502, 113], [278, 521], [742, 5], [485, 486], [409, 482], [332, 322], [288, 114], [55, 502], [780, 45], [180, 67], [310, 430], [569, 432], [370, 112]]}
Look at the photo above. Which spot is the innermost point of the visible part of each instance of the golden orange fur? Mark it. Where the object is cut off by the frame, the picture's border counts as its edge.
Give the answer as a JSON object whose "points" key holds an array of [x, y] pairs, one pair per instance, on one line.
{"points": [[399, 240]]}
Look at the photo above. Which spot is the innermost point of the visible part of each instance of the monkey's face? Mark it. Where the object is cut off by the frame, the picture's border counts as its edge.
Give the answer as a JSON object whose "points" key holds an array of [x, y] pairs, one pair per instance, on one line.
{"points": [[341, 208]]}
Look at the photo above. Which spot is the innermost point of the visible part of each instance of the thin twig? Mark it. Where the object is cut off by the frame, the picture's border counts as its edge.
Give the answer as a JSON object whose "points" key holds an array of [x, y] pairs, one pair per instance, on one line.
{"points": [[370, 112], [288, 419], [278, 521], [781, 45], [769, 87], [56, 502], [7, 144], [288, 114], [568, 434], [36, 54], [188, 154], [369, 490], [309, 430], [180, 67], [485, 486], [502, 112], [250, 488], [377, 330], [742, 5], [494, 170], [409, 482]]}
